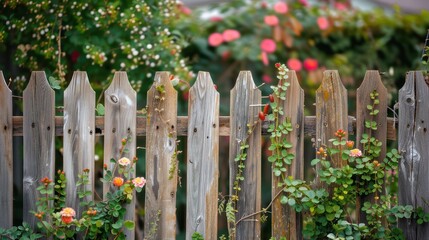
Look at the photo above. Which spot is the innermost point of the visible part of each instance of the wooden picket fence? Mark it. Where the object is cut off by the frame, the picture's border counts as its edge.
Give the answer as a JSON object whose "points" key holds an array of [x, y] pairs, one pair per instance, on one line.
{"points": [[39, 126]]}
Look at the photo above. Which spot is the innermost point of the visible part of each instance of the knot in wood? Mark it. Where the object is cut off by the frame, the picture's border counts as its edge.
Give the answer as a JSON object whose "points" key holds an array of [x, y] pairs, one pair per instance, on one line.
{"points": [[114, 98]]}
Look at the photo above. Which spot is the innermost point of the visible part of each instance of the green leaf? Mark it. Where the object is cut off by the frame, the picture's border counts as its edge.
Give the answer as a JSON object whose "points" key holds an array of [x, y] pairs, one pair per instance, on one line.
{"points": [[55, 84], [315, 161], [291, 202], [100, 109], [129, 225]]}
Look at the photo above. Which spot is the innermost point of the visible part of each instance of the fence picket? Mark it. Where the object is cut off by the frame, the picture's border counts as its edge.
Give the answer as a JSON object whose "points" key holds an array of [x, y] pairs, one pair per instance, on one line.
{"points": [[79, 129], [243, 95], [372, 82], [39, 141], [120, 122], [414, 164], [203, 158], [285, 221], [6, 156], [161, 163], [331, 113]]}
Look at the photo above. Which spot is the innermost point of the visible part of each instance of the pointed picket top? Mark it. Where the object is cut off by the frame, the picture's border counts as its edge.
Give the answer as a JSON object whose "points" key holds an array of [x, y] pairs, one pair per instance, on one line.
{"points": [[120, 101], [203, 84], [371, 84], [161, 162], [202, 158], [39, 140], [79, 135], [244, 109], [285, 221], [413, 138], [6, 157], [38, 83]]}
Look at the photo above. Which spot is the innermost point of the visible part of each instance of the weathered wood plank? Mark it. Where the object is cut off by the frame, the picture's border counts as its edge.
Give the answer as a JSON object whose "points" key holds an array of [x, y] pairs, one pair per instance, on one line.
{"points": [[39, 141], [331, 113], [79, 126], [182, 126], [120, 102], [243, 95], [6, 156], [372, 82], [161, 163], [285, 221], [331, 110], [202, 158], [414, 164]]}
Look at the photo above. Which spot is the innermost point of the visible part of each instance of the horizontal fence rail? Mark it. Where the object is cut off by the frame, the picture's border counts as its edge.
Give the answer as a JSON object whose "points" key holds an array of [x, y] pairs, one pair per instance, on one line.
{"points": [[39, 127], [224, 126]]}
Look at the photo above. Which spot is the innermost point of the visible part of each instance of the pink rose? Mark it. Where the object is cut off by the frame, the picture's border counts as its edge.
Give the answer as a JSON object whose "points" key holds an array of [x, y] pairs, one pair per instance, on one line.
{"points": [[294, 64], [266, 78], [311, 64], [340, 6], [268, 45], [230, 35], [280, 7], [215, 39], [323, 23], [139, 182], [271, 20], [216, 19], [304, 3], [185, 10]]}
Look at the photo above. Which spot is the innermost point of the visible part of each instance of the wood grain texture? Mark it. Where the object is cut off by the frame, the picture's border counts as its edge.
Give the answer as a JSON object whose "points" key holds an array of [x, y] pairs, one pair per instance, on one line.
{"points": [[202, 158], [414, 164], [161, 165], [182, 126], [372, 82], [39, 141], [285, 221], [79, 126], [120, 102], [6, 155], [243, 95], [331, 114]]}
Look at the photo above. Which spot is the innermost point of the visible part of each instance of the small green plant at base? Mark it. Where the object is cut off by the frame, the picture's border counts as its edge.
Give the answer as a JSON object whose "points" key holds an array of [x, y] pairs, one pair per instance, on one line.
{"points": [[99, 220]]}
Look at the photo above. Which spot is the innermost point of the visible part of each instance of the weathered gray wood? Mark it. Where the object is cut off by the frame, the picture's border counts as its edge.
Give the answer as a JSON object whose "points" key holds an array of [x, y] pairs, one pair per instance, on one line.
{"points": [[243, 95], [372, 82], [413, 142], [202, 158], [285, 221], [331, 113], [161, 165], [6, 156], [79, 126], [182, 126], [331, 110], [120, 122], [39, 141]]}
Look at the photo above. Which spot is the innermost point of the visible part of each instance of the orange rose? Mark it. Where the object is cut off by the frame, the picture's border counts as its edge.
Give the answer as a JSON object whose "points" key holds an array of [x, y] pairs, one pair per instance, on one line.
{"points": [[118, 181]]}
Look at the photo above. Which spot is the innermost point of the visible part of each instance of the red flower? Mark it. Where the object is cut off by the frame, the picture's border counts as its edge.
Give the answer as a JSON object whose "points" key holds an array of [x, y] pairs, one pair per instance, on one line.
{"points": [[323, 23], [280, 7], [266, 78], [230, 35], [74, 56], [268, 45], [215, 39], [271, 20], [294, 64], [310, 64]]}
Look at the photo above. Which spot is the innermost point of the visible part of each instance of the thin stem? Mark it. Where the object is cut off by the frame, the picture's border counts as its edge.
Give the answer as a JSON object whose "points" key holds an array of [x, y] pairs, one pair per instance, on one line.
{"points": [[263, 210]]}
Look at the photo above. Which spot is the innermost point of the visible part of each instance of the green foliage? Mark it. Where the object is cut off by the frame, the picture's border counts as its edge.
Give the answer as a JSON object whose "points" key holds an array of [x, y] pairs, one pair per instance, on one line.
{"points": [[98, 37], [99, 219], [197, 236]]}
